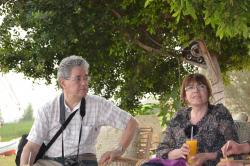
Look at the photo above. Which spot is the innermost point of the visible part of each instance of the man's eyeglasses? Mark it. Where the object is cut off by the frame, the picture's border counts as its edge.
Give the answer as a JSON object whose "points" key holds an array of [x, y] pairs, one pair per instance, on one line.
{"points": [[79, 78], [192, 87]]}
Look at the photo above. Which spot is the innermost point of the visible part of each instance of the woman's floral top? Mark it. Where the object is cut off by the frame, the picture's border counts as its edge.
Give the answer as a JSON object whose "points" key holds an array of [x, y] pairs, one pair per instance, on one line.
{"points": [[213, 131]]}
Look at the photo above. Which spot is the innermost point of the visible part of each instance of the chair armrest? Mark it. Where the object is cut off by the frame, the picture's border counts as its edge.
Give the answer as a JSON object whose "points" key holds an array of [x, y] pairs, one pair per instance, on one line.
{"points": [[245, 156], [124, 161], [141, 161], [132, 159]]}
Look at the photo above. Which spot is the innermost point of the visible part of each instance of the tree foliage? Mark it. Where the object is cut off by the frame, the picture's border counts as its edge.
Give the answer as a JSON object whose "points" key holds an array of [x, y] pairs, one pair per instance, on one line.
{"points": [[131, 45]]}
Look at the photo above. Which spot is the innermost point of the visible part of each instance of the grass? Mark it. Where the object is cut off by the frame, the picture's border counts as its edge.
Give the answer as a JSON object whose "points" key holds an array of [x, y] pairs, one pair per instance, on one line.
{"points": [[11, 131], [7, 160]]}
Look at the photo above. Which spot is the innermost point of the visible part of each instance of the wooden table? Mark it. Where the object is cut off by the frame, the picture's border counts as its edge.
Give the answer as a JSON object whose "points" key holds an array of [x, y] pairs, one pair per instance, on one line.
{"points": [[233, 162]]}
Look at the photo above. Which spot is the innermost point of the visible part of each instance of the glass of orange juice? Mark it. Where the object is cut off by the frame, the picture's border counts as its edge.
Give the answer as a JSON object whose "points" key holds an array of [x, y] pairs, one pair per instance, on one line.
{"points": [[192, 143]]}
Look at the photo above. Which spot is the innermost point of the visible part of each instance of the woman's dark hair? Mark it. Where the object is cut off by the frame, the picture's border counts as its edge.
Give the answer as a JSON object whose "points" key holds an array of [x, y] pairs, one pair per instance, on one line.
{"points": [[197, 77]]}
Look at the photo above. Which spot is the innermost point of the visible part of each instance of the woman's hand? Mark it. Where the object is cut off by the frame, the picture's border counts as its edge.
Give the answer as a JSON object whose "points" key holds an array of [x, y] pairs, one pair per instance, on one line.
{"points": [[199, 159], [179, 153]]}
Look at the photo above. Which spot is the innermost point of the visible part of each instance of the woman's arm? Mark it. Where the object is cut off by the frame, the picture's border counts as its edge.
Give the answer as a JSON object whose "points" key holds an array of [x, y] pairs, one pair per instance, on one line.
{"points": [[165, 146], [173, 144], [168, 147]]}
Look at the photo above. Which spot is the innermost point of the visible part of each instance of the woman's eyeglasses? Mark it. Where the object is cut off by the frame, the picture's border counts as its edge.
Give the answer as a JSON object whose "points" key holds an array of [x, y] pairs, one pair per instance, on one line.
{"points": [[192, 88]]}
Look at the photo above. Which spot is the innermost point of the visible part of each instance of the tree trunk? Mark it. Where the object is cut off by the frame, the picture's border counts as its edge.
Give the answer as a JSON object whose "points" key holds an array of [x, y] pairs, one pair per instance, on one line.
{"points": [[209, 66], [215, 80]]}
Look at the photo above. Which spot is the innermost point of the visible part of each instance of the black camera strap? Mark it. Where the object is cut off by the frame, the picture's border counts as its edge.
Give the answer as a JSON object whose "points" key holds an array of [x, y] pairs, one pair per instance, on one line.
{"points": [[82, 113], [62, 118]]}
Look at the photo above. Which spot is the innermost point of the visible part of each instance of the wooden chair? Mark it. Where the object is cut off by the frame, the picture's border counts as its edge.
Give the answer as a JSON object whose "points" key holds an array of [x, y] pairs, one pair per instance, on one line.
{"points": [[243, 131], [143, 145]]}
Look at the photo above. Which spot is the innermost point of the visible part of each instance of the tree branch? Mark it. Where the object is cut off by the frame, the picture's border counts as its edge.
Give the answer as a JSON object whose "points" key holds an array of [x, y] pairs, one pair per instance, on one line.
{"points": [[116, 13], [152, 40], [139, 43], [146, 47]]}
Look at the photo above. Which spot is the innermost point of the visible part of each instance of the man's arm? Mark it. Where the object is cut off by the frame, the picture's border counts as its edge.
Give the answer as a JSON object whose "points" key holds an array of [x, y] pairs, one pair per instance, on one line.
{"points": [[245, 148], [128, 133], [29, 149], [232, 147], [126, 137]]}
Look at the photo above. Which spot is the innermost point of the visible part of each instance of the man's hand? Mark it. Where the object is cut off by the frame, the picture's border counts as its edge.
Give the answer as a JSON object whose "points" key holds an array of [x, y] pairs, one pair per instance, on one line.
{"points": [[109, 156], [127, 135], [231, 147]]}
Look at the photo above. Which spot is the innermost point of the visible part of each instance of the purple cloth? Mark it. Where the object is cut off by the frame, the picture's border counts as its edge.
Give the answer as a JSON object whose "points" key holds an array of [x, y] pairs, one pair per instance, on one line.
{"points": [[167, 162]]}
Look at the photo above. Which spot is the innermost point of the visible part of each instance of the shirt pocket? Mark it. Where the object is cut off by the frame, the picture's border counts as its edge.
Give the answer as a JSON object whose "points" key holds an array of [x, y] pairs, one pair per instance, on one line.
{"points": [[89, 134]]}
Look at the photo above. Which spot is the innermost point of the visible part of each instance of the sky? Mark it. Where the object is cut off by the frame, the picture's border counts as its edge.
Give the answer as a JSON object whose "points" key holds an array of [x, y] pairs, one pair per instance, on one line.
{"points": [[17, 92]]}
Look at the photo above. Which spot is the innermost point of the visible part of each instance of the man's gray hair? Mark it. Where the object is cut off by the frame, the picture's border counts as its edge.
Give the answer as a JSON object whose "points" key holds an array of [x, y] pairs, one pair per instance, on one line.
{"points": [[68, 63]]}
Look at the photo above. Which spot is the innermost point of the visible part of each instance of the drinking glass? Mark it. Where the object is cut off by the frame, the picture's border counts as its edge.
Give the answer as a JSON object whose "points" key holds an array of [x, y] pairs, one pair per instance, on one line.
{"points": [[192, 143]]}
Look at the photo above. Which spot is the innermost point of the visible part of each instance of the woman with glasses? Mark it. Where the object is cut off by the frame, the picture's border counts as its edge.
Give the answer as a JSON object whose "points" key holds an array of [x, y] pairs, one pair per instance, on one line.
{"points": [[211, 125]]}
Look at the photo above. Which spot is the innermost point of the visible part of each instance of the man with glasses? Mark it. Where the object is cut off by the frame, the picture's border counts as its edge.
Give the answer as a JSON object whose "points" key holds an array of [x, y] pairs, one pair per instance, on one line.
{"points": [[76, 144]]}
